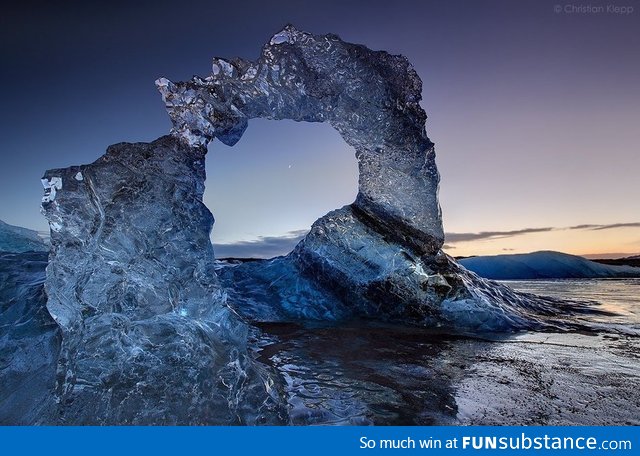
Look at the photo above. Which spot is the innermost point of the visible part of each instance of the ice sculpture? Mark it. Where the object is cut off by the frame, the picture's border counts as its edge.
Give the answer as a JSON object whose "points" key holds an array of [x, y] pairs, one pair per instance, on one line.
{"points": [[148, 334], [379, 257], [371, 98]]}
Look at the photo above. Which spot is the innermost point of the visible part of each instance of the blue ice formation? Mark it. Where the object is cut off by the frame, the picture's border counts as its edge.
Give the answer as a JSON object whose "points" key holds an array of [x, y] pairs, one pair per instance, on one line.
{"points": [[379, 258], [152, 330]]}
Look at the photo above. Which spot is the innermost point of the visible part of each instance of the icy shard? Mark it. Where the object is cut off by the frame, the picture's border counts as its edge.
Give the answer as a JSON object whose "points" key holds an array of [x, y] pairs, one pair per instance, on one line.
{"points": [[146, 335], [17, 239], [29, 341]]}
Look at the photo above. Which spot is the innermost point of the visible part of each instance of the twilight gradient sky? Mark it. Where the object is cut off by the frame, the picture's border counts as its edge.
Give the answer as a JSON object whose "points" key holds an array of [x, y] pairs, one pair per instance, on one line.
{"points": [[535, 114]]}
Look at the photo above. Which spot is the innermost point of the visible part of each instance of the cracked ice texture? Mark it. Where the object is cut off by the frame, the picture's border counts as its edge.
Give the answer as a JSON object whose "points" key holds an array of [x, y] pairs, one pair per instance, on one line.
{"points": [[371, 98], [146, 335], [379, 257]]}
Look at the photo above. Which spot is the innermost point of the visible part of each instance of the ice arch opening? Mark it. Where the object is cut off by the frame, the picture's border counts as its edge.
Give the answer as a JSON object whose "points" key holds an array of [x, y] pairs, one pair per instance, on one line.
{"points": [[267, 190], [379, 256], [371, 98]]}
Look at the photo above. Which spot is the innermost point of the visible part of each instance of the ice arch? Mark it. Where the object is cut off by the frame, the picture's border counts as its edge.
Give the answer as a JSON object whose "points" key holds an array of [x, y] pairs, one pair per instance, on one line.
{"points": [[370, 97], [379, 257], [148, 336]]}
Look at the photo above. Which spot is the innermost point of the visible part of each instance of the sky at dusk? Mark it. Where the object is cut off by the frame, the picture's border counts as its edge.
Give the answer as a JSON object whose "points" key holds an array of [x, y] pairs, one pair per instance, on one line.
{"points": [[535, 113]]}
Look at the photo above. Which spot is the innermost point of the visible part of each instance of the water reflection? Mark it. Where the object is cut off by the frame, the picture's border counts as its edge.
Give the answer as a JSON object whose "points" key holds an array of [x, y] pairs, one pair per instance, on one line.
{"points": [[363, 375], [392, 375], [618, 296]]}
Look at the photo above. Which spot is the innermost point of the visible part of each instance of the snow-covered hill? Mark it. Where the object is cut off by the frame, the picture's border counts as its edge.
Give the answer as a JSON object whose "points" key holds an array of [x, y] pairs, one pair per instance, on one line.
{"points": [[543, 265]]}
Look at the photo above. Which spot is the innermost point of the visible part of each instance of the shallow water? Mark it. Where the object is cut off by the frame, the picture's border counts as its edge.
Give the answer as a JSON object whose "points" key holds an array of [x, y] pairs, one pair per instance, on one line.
{"points": [[405, 376], [619, 296], [361, 375]]}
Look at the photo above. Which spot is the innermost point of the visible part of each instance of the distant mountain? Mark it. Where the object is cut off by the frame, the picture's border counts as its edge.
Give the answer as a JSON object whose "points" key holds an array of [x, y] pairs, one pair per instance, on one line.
{"points": [[627, 261], [544, 265], [17, 239]]}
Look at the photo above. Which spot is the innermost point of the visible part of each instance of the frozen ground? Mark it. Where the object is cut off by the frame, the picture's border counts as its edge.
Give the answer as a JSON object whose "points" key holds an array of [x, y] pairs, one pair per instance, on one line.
{"points": [[392, 375]]}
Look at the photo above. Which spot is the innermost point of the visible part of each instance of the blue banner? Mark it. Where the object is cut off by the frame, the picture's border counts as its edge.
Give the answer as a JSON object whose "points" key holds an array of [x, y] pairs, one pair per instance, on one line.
{"points": [[306, 441]]}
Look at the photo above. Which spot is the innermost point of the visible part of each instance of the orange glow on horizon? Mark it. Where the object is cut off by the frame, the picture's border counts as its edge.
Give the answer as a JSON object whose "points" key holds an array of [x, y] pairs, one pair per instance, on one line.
{"points": [[613, 242]]}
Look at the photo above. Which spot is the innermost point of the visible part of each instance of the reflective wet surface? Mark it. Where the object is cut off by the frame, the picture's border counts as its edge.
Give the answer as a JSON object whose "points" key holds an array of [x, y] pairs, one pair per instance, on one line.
{"points": [[401, 376], [619, 296], [362, 375]]}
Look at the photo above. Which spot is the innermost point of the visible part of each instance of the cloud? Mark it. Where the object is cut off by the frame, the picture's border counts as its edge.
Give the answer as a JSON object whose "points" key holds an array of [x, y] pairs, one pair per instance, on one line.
{"points": [[263, 247], [583, 227], [465, 237], [485, 235], [272, 246], [616, 225]]}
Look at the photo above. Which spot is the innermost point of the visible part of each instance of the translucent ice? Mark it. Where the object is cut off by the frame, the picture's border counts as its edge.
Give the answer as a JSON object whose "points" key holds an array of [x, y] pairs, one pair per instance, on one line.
{"points": [[371, 97], [379, 257], [146, 335]]}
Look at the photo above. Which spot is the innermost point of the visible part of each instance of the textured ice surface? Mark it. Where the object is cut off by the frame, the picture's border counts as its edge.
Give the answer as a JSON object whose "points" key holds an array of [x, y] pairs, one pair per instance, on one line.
{"points": [[380, 374], [370, 97], [380, 257], [148, 331], [146, 335]]}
